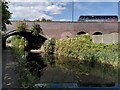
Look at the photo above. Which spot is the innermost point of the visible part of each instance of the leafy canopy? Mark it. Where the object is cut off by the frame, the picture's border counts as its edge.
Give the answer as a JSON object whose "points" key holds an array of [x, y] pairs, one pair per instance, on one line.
{"points": [[36, 29], [5, 14], [21, 26]]}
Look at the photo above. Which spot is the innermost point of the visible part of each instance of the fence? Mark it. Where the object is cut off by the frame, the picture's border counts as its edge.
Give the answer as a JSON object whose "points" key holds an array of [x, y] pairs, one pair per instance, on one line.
{"points": [[106, 38]]}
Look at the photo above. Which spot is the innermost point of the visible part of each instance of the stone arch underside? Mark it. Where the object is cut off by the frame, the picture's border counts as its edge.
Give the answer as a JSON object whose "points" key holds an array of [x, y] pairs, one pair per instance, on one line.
{"points": [[81, 32], [34, 42], [97, 33]]}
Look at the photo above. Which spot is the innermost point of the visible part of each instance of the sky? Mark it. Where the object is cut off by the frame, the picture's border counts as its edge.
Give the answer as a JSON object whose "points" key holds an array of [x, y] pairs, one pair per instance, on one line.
{"points": [[60, 11]]}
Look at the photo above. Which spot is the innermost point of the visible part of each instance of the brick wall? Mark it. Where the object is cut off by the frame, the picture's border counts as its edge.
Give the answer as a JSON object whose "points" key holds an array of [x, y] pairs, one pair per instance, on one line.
{"points": [[68, 29]]}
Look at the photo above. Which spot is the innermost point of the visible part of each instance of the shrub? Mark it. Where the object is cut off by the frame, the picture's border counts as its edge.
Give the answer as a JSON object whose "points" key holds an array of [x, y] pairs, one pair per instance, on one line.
{"points": [[21, 26], [18, 45], [83, 48], [27, 80], [49, 46], [36, 29]]}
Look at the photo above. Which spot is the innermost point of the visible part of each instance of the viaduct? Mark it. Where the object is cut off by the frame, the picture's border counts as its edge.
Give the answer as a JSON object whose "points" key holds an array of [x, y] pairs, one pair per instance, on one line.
{"points": [[68, 29], [65, 29]]}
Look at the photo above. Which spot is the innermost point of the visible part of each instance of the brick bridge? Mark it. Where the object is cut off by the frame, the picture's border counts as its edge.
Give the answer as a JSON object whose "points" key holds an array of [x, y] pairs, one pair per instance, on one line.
{"points": [[68, 29], [34, 42]]}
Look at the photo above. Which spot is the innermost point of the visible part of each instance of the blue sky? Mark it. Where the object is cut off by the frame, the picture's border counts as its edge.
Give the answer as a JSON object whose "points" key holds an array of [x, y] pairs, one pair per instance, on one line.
{"points": [[95, 8], [60, 11]]}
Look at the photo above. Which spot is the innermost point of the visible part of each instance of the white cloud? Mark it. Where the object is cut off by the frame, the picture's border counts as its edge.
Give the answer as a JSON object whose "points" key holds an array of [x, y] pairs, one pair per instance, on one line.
{"points": [[55, 9], [35, 10], [64, 0], [64, 20]]}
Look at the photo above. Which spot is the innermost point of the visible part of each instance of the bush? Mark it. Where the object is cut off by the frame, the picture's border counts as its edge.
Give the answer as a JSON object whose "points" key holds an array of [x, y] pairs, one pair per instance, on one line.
{"points": [[36, 29], [84, 49], [21, 26], [18, 45], [49, 46], [27, 80]]}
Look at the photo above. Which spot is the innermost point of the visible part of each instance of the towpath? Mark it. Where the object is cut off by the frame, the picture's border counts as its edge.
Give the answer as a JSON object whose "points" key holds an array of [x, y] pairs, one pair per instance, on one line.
{"points": [[9, 77]]}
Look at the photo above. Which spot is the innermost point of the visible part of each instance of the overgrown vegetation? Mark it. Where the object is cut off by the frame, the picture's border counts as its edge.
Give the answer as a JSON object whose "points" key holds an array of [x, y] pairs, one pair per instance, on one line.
{"points": [[18, 44], [27, 80], [36, 29], [49, 46], [21, 26], [87, 69], [82, 48]]}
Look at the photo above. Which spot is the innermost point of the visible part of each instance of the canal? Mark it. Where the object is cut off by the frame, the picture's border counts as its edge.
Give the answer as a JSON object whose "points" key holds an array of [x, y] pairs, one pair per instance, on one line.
{"points": [[59, 69]]}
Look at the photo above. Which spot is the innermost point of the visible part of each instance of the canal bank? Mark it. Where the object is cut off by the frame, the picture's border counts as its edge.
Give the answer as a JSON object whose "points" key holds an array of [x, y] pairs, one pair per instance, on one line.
{"points": [[9, 76], [36, 68], [60, 69]]}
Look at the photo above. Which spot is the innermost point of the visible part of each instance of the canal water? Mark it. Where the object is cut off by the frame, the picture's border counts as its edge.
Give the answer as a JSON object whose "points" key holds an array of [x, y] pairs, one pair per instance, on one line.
{"points": [[59, 69]]}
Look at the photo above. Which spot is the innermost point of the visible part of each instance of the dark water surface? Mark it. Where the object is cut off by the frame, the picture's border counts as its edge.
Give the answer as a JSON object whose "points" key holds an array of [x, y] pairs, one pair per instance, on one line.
{"points": [[59, 69]]}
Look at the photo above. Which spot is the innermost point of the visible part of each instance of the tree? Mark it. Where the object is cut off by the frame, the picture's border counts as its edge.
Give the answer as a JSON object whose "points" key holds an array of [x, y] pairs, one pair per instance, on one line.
{"points": [[36, 29], [5, 14], [49, 46], [45, 20], [37, 20], [21, 26]]}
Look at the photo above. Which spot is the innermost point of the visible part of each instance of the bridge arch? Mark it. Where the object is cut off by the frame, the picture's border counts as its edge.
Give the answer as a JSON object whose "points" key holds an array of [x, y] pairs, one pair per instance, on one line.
{"points": [[81, 32], [97, 33], [27, 35]]}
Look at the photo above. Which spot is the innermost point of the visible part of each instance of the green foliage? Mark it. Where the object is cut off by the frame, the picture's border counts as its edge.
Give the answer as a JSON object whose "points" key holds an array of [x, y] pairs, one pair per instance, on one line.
{"points": [[21, 26], [36, 29], [50, 59], [5, 14], [18, 45], [86, 68], [84, 49], [27, 80], [49, 46]]}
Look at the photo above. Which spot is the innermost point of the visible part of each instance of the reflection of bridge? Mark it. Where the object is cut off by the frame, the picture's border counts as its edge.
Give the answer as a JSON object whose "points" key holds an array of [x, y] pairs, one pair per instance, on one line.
{"points": [[27, 35], [68, 29]]}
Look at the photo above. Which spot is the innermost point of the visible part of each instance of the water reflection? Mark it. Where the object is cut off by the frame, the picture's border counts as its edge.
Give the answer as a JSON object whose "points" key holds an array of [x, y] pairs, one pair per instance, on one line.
{"points": [[58, 69]]}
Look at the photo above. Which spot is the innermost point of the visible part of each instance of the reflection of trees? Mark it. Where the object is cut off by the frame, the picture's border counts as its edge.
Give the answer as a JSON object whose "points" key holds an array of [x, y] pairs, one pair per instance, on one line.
{"points": [[35, 63], [50, 59]]}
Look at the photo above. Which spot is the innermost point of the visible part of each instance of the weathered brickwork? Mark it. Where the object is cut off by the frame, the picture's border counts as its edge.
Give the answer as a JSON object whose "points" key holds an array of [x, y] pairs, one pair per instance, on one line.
{"points": [[68, 29]]}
